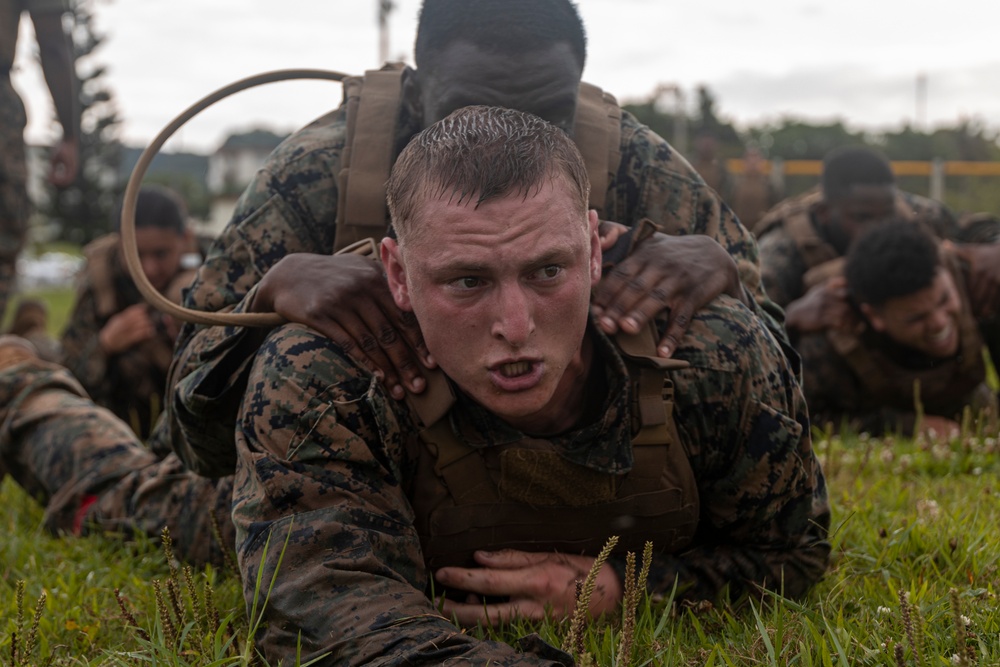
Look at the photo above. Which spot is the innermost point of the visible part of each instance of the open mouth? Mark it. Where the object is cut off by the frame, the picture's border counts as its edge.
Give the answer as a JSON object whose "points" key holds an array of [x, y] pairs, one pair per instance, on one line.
{"points": [[515, 369]]}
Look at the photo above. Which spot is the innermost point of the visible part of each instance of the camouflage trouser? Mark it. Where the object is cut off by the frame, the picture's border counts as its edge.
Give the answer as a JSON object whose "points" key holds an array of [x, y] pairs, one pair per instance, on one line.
{"points": [[90, 472], [14, 204]]}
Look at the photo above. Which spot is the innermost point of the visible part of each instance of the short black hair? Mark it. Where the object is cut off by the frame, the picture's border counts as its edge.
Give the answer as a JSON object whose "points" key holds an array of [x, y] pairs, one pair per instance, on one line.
{"points": [[498, 26], [889, 260], [159, 207], [847, 166]]}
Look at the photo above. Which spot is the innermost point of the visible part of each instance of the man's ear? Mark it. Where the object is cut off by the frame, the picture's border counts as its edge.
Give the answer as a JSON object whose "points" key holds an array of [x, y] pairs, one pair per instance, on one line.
{"points": [[395, 273], [596, 257], [410, 88], [821, 211], [873, 317]]}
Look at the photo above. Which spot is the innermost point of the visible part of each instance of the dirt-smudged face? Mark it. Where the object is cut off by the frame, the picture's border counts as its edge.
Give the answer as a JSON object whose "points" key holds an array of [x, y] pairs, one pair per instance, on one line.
{"points": [[502, 293]]}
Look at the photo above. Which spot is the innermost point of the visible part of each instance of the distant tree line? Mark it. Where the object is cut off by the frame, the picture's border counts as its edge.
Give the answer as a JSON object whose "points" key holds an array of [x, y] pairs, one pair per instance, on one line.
{"points": [[795, 139]]}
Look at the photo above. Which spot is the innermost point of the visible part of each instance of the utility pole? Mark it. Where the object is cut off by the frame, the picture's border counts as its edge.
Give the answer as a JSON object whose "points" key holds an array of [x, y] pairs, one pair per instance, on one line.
{"points": [[384, 8], [921, 119], [680, 113]]}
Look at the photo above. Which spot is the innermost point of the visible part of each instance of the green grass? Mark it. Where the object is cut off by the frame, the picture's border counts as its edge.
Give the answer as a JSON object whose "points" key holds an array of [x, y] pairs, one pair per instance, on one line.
{"points": [[912, 521]]}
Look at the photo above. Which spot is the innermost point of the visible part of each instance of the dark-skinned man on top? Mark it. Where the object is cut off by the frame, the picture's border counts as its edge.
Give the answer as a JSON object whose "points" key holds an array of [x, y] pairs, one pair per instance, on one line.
{"points": [[803, 240], [275, 255]]}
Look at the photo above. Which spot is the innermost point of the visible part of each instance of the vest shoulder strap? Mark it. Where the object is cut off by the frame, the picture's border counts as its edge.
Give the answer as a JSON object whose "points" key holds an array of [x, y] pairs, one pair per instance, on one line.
{"points": [[597, 134], [372, 106]]}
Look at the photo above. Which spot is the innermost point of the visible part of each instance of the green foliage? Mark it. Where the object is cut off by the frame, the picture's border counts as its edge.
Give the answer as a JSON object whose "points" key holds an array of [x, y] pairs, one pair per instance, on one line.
{"points": [[792, 138]]}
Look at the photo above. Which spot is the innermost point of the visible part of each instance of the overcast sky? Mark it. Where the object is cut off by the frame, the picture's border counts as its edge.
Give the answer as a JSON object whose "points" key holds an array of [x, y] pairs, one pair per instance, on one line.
{"points": [[856, 60]]}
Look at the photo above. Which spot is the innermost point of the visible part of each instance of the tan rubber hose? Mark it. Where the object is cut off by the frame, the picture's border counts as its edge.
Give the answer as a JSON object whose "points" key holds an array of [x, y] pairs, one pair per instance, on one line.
{"points": [[135, 182]]}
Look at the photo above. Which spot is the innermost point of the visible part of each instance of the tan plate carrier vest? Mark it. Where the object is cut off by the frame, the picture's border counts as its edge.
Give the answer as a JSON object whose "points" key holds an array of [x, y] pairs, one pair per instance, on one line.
{"points": [[526, 496], [372, 105], [944, 389]]}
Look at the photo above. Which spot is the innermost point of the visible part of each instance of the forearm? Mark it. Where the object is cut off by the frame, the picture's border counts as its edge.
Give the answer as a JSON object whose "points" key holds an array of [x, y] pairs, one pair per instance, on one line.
{"points": [[206, 384], [706, 572], [764, 514]]}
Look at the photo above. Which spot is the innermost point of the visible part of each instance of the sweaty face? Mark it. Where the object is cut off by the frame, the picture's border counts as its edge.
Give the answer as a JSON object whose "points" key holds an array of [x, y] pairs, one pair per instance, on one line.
{"points": [[501, 293], [862, 206], [926, 320], [543, 83], [160, 253]]}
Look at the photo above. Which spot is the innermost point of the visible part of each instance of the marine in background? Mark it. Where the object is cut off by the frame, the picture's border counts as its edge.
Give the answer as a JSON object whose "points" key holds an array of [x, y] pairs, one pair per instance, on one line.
{"points": [[802, 239], [118, 346], [904, 330]]}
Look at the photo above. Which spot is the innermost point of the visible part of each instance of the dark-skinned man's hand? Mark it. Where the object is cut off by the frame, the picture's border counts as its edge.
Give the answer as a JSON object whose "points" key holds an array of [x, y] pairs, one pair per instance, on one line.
{"points": [[825, 306], [677, 274], [346, 298]]}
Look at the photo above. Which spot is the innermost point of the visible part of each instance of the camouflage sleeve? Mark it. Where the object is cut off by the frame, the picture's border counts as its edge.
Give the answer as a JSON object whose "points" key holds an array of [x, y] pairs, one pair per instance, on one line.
{"points": [[742, 417], [654, 181], [938, 217], [781, 268], [320, 507], [835, 396], [289, 207], [82, 352]]}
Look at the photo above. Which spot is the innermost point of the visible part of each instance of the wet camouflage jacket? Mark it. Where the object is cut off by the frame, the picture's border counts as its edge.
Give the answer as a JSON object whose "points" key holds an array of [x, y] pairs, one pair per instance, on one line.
{"points": [[327, 462], [880, 398], [130, 383], [785, 260], [291, 207]]}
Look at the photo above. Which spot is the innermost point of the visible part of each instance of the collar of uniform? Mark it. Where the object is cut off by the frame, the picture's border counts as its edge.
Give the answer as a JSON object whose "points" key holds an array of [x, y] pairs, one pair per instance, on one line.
{"points": [[602, 445]]}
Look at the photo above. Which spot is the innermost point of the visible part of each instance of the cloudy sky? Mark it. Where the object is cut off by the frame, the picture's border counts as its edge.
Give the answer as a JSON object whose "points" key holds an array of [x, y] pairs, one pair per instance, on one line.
{"points": [[856, 60]]}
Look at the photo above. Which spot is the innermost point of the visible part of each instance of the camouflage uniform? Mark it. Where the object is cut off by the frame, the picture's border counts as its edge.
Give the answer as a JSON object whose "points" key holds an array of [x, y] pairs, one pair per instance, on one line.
{"points": [[784, 263], [291, 207], [130, 383], [15, 206], [90, 471], [327, 462], [873, 390]]}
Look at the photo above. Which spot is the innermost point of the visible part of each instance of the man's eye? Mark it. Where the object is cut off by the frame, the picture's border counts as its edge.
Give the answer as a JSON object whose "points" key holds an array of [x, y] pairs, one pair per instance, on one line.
{"points": [[549, 272], [468, 282]]}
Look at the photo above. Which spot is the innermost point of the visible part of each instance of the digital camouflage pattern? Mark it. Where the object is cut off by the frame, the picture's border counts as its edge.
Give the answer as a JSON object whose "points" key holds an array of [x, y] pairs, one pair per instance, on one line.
{"points": [[90, 471], [291, 207], [883, 400], [131, 383], [327, 462], [783, 262]]}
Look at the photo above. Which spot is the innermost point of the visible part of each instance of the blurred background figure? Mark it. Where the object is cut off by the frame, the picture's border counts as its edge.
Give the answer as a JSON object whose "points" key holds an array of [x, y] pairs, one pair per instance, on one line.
{"points": [[57, 64], [31, 321], [915, 330], [709, 166], [117, 345], [753, 191]]}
